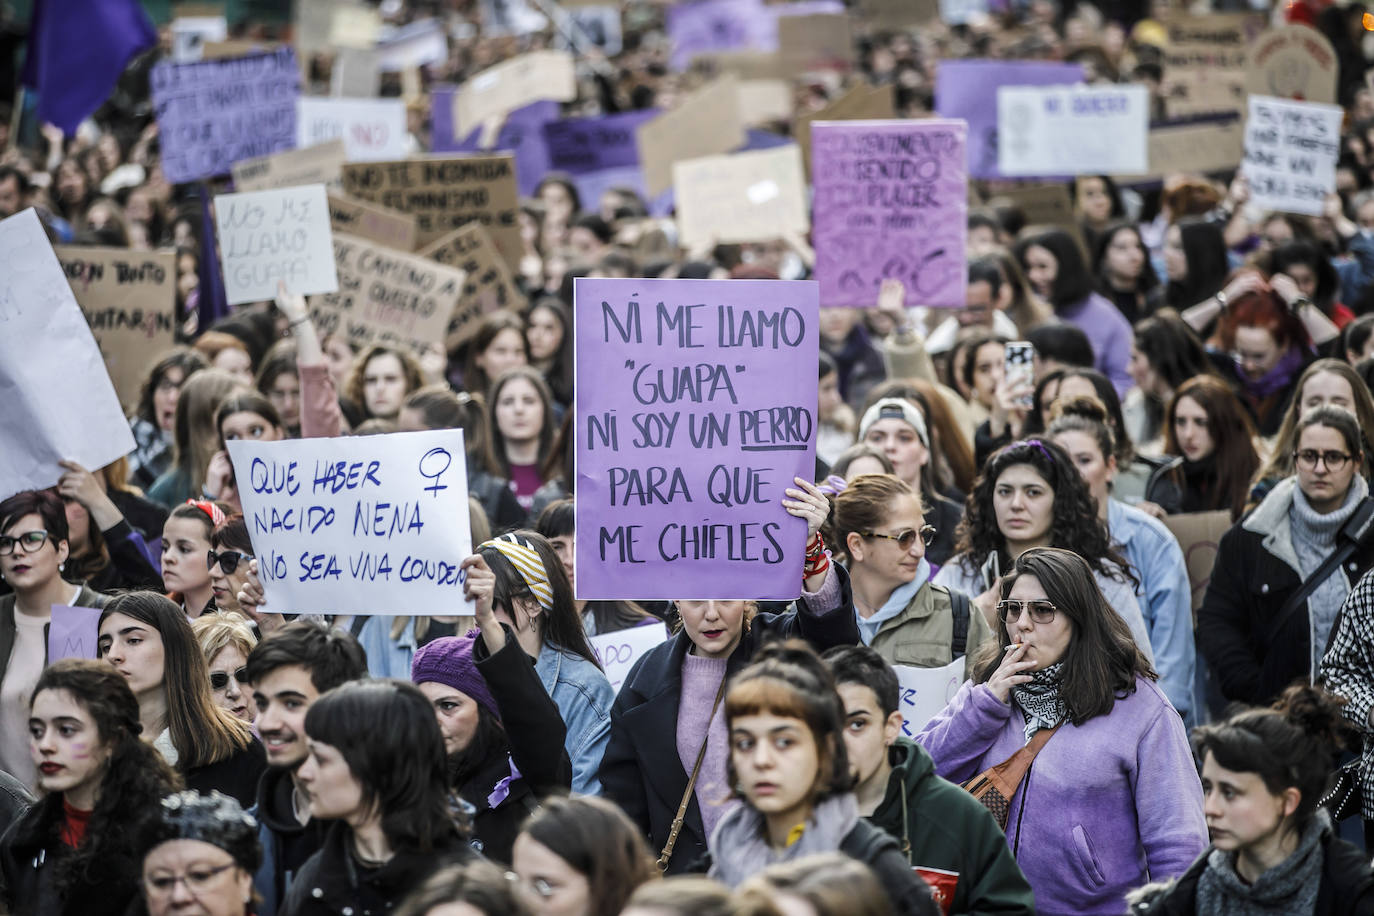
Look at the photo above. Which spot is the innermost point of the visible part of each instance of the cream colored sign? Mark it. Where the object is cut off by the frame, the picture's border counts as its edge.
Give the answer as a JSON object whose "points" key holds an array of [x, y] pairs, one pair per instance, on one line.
{"points": [[706, 123], [746, 197]]}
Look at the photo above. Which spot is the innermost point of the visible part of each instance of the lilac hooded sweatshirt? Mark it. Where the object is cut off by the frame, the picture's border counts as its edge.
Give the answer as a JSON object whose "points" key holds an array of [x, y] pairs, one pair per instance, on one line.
{"points": [[1106, 806]]}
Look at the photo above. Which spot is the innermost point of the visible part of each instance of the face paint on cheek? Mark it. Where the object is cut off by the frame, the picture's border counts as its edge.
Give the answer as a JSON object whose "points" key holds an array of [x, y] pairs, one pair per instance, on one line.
{"points": [[81, 751]]}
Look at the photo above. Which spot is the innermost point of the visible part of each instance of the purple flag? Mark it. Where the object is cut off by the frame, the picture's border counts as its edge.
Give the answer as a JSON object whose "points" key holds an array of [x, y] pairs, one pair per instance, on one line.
{"points": [[77, 51], [696, 408]]}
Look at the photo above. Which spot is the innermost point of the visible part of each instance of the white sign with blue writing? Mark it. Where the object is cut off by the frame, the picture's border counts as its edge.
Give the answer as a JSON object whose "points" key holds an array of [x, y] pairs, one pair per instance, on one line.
{"points": [[620, 649], [358, 525], [1073, 130], [926, 691], [1290, 154]]}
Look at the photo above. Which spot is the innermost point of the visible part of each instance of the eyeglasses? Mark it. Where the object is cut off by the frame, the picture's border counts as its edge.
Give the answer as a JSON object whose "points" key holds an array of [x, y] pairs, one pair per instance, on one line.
{"points": [[1307, 460], [907, 538], [220, 679], [29, 540], [196, 881], [228, 560], [1041, 611]]}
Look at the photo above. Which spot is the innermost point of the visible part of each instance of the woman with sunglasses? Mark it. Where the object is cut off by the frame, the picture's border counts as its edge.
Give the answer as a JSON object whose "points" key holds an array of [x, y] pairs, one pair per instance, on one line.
{"points": [[1112, 798], [227, 559], [1255, 640], [227, 639]]}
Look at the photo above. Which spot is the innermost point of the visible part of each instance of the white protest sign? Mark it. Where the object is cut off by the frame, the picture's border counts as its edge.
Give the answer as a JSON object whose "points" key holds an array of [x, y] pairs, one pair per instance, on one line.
{"points": [[618, 651], [191, 33], [926, 691], [412, 45], [1290, 153], [371, 129], [361, 525], [277, 235], [58, 402], [1072, 130]]}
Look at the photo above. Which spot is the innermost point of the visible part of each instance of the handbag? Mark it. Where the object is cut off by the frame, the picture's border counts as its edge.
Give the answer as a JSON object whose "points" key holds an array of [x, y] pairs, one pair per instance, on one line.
{"points": [[1344, 799], [995, 786]]}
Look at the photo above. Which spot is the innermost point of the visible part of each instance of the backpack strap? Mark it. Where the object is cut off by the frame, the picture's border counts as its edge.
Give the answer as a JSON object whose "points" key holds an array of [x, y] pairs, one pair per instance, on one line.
{"points": [[959, 607]]}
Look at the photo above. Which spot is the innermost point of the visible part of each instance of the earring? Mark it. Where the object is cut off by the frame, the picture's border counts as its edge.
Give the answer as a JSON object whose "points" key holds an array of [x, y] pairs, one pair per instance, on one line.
{"points": [[61, 567]]}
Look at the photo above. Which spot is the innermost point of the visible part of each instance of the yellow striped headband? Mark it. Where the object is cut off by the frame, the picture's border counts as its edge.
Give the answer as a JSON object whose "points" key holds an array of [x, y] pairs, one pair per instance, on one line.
{"points": [[526, 561]]}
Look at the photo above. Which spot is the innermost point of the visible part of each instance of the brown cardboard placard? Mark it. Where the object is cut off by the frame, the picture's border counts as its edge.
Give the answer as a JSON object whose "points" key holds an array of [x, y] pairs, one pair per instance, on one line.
{"points": [[369, 221], [861, 103], [747, 65], [764, 101], [1199, 533], [1293, 62], [129, 300], [707, 122], [489, 284], [1204, 63], [755, 196], [1042, 204], [486, 99], [824, 41], [1207, 146], [236, 48], [898, 14], [319, 164]]}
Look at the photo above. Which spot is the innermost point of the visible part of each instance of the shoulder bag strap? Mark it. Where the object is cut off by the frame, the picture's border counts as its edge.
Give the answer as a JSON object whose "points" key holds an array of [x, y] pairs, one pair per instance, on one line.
{"points": [[1007, 775], [691, 783], [1355, 531], [959, 607]]}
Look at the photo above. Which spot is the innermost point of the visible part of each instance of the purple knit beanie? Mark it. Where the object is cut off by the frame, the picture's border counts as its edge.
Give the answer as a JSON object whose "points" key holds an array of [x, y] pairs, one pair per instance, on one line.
{"points": [[448, 661]]}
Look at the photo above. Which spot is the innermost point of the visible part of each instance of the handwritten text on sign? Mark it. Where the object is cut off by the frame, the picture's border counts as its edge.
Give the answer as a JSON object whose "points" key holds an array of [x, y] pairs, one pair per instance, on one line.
{"points": [[1290, 153], [73, 632], [696, 408], [362, 525], [891, 201], [370, 128], [926, 691], [271, 237], [618, 651], [1079, 130]]}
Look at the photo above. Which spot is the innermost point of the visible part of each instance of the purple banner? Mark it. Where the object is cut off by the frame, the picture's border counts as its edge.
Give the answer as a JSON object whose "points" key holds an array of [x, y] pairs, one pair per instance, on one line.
{"points": [[521, 134], [891, 201], [583, 145], [696, 407], [968, 89], [211, 114], [705, 26], [73, 632]]}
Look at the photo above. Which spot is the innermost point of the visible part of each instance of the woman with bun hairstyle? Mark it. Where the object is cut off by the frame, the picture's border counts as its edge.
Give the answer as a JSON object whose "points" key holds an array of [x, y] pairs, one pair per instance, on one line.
{"points": [[199, 851], [1273, 849], [1210, 439]]}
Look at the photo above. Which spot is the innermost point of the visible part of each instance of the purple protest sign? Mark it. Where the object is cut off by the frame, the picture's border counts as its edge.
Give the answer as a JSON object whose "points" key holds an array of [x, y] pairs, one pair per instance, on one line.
{"points": [[696, 406], [520, 134], [891, 201], [73, 632], [705, 26], [580, 146], [968, 89], [212, 113]]}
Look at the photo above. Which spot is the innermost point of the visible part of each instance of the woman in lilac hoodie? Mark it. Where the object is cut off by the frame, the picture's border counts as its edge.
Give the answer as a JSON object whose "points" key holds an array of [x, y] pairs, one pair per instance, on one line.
{"points": [[1113, 798]]}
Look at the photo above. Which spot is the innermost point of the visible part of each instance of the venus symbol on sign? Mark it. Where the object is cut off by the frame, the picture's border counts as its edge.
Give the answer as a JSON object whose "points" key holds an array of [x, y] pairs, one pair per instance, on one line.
{"points": [[433, 464]]}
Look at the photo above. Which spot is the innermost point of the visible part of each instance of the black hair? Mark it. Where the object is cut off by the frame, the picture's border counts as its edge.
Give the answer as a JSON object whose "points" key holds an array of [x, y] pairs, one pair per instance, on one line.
{"points": [[184, 358], [331, 655], [598, 841], [245, 402], [1106, 393], [1355, 336], [986, 269], [46, 504], [827, 365], [974, 345], [1309, 254], [863, 665], [1073, 282], [488, 742], [561, 625], [594, 224], [232, 533], [1118, 209], [1147, 280], [1064, 343], [1204, 247]]}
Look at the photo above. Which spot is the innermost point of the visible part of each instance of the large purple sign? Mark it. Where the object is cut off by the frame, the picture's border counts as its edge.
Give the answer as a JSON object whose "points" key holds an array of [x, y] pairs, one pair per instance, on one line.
{"points": [[583, 145], [520, 134], [891, 201], [696, 407], [968, 89], [706, 26]]}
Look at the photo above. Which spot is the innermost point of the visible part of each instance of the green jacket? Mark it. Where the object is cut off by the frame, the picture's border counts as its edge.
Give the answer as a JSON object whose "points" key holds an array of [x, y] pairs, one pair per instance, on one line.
{"points": [[941, 826]]}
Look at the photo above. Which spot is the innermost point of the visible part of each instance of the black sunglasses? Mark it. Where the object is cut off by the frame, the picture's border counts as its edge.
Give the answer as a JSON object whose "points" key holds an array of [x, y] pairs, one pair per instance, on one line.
{"points": [[220, 679], [228, 560]]}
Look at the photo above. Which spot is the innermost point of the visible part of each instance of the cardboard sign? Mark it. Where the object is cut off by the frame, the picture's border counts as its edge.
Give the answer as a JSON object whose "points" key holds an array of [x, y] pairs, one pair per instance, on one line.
{"points": [[189, 35], [1204, 63], [1293, 62], [1078, 130], [764, 101], [488, 284], [444, 194], [521, 134], [371, 129], [1290, 154], [497, 91], [824, 41], [214, 113], [73, 632], [696, 408], [618, 651], [897, 15], [1041, 204], [862, 103], [1199, 533], [272, 237], [355, 74], [891, 200], [1212, 145], [582, 145], [706, 123], [368, 221], [322, 164], [59, 404], [386, 297], [962, 12], [746, 197], [354, 26], [129, 299], [926, 691], [747, 65], [358, 525]]}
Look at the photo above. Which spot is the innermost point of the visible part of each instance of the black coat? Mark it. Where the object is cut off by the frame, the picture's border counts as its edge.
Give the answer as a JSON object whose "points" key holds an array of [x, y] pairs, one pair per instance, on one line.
{"points": [[641, 770], [29, 855], [236, 775]]}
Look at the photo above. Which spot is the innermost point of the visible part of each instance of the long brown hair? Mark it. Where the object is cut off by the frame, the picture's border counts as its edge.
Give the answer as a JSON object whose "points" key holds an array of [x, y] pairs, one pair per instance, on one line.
{"points": [[1233, 438], [1280, 463], [598, 841]]}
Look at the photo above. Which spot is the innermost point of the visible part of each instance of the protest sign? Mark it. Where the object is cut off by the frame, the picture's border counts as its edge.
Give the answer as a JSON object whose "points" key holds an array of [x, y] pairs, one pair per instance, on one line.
{"points": [[821, 41], [1204, 63], [581, 145], [369, 221], [355, 74], [713, 25], [354, 26], [962, 12], [358, 525], [313, 22], [618, 651], [696, 408], [764, 101], [747, 65], [444, 194], [1209, 144], [371, 129], [386, 297], [322, 164], [705, 123], [486, 99], [1040, 204], [190, 33], [897, 15], [522, 134], [1290, 154], [891, 200], [1198, 534], [235, 48], [272, 237], [1075, 130], [862, 103], [59, 404], [1293, 62], [412, 45], [487, 286], [926, 691], [214, 113], [129, 299], [968, 89], [510, 17], [73, 632], [744, 197]]}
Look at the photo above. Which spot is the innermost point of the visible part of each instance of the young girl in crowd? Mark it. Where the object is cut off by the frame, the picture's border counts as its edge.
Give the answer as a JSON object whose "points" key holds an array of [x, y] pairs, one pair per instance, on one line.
{"points": [[231, 550], [557, 523], [107, 551], [279, 381], [379, 381], [479, 886], [1212, 438], [521, 422], [498, 345], [982, 373], [226, 638], [1166, 353], [154, 419], [199, 850], [73, 851], [197, 438], [149, 641], [550, 346], [186, 544], [1125, 275], [245, 415], [789, 766]]}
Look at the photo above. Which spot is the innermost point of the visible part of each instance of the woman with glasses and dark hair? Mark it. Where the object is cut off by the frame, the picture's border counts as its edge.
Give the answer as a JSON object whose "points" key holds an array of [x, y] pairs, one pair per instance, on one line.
{"points": [[198, 853], [227, 638], [1111, 798], [154, 420], [1256, 640]]}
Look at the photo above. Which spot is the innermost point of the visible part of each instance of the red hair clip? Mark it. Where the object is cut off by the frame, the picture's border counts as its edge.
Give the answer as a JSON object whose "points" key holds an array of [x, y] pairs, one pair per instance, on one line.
{"points": [[215, 512]]}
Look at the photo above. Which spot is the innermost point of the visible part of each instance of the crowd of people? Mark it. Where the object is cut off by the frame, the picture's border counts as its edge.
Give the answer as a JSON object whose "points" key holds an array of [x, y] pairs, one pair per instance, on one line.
{"points": [[1130, 733]]}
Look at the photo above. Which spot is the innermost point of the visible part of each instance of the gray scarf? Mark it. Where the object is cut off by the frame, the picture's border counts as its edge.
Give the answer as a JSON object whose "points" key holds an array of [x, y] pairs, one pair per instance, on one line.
{"points": [[740, 848], [1314, 537], [1289, 888], [1040, 701]]}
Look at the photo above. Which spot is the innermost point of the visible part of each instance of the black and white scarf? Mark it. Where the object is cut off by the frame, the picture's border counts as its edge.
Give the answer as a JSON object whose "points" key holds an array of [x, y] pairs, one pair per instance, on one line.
{"points": [[1040, 701]]}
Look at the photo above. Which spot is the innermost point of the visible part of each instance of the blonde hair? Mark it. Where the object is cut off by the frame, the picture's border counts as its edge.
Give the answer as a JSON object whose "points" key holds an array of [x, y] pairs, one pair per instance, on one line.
{"points": [[222, 629], [832, 883]]}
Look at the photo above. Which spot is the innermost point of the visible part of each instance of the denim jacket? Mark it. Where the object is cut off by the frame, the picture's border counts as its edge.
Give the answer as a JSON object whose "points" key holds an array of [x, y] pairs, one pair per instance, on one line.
{"points": [[584, 698], [387, 657]]}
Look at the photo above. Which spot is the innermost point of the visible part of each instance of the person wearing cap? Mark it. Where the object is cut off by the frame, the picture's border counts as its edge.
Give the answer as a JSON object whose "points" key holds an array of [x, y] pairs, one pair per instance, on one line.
{"points": [[503, 734], [198, 854]]}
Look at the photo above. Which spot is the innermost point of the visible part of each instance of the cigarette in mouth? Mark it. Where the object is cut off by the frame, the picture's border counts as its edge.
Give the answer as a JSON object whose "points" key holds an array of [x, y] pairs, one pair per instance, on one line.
{"points": [[1015, 645]]}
